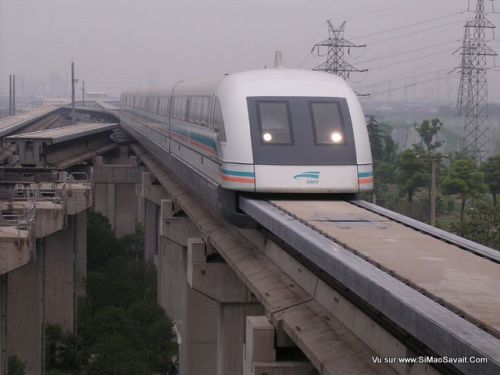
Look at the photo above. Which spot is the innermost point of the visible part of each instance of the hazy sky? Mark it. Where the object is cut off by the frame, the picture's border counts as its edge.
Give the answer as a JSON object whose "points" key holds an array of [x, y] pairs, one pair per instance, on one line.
{"points": [[118, 44]]}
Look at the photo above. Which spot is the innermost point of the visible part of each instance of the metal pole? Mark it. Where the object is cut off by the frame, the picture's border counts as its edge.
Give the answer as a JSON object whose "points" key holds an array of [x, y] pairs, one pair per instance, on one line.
{"points": [[10, 94], [14, 94], [83, 92], [433, 191], [73, 111]]}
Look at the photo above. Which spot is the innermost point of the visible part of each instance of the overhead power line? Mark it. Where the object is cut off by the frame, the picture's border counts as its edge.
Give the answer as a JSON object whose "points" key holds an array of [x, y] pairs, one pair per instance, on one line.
{"points": [[407, 26], [416, 32], [409, 51], [392, 89], [402, 78], [413, 59]]}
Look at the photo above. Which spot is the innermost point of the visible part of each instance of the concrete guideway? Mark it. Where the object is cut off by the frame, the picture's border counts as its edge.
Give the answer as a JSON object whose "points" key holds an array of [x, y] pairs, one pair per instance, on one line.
{"points": [[65, 146], [11, 124], [484, 251], [335, 335], [310, 230], [63, 134]]}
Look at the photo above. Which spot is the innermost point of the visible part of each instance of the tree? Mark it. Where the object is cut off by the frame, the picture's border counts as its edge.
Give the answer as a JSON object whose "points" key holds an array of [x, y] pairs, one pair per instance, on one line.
{"points": [[491, 170], [482, 224], [376, 136], [465, 180], [412, 172], [382, 146], [122, 329], [101, 242], [427, 131]]}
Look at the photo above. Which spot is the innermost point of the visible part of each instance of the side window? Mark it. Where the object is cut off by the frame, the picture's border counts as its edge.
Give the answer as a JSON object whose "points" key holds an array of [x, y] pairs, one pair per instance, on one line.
{"points": [[328, 123], [274, 122], [204, 110], [181, 107], [164, 106], [193, 109], [218, 121]]}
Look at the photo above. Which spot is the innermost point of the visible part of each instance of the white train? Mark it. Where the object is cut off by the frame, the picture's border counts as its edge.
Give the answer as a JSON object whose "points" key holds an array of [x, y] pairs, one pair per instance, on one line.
{"points": [[262, 131]]}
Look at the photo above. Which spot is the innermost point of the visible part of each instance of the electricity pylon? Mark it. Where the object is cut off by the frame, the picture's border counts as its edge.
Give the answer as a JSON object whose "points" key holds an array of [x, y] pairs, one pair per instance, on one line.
{"points": [[336, 46], [473, 91]]}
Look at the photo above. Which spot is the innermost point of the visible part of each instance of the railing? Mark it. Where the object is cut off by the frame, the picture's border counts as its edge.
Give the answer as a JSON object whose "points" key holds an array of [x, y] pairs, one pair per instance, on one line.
{"points": [[36, 192]]}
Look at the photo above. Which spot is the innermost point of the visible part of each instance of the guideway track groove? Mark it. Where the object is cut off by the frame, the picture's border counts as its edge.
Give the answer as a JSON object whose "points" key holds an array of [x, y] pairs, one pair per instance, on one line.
{"points": [[344, 242]]}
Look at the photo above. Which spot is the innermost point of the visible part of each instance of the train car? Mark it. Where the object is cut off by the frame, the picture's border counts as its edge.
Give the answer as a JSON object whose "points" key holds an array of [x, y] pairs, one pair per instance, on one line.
{"points": [[282, 131]]}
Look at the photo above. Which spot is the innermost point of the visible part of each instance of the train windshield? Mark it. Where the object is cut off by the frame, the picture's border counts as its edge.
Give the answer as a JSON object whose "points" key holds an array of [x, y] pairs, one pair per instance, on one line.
{"points": [[301, 131], [274, 121], [327, 123]]}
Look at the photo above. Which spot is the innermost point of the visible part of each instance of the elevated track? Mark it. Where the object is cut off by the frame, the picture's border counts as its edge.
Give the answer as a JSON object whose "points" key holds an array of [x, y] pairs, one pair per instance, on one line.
{"points": [[434, 293]]}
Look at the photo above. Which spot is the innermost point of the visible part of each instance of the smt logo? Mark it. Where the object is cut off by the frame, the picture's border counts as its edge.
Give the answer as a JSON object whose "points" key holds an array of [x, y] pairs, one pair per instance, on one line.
{"points": [[308, 177]]}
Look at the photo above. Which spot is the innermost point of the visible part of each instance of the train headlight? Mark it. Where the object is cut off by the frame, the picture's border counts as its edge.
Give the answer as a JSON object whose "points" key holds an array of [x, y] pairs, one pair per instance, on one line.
{"points": [[336, 137], [267, 137]]}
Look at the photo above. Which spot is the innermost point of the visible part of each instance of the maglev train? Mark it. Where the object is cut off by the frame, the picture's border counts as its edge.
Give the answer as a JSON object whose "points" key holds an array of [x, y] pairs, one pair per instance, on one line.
{"points": [[282, 131]]}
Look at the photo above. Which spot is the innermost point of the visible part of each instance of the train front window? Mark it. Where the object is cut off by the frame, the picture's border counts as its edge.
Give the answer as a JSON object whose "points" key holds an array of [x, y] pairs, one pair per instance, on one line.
{"points": [[274, 122], [328, 123]]}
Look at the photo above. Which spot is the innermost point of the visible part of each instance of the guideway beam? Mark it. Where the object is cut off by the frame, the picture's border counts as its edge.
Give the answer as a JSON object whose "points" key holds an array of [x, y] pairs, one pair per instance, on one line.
{"points": [[276, 291]]}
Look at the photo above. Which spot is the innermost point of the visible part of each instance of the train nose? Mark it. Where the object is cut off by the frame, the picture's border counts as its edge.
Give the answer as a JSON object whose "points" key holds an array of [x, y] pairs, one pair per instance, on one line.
{"points": [[306, 179]]}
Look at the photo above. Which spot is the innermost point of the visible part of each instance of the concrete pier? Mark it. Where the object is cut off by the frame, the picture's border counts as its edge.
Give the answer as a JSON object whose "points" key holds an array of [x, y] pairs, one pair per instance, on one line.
{"points": [[44, 288], [115, 192], [194, 314], [260, 352]]}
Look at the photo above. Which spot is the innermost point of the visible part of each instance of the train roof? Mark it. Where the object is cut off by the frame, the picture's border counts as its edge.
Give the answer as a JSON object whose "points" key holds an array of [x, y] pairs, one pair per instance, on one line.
{"points": [[209, 86]]}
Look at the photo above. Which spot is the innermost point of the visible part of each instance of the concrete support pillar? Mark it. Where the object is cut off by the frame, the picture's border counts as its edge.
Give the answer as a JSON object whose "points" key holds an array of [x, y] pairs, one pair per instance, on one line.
{"points": [[195, 315], [60, 277], [218, 281], [125, 210], [151, 213], [3, 323], [80, 253], [260, 352], [25, 314], [105, 201], [198, 350], [231, 335], [151, 195], [115, 192], [44, 292]]}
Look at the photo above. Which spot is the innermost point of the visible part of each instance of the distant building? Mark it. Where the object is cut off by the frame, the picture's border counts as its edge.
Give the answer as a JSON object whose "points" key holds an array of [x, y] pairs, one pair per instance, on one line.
{"points": [[47, 102], [94, 95]]}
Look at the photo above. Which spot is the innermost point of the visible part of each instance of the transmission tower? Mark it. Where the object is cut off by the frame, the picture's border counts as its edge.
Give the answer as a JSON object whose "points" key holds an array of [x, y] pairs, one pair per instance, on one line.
{"points": [[473, 91], [336, 46]]}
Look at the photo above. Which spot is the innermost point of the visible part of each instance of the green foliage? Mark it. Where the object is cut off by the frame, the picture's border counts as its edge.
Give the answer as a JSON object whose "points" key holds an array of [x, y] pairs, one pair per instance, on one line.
{"points": [[491, 170], [63, 351], [465, 180], [481, 224], [412, 172], [428, 131], [121, 327], [15, 366], [382, 145], [376, 138], [101, 242]]}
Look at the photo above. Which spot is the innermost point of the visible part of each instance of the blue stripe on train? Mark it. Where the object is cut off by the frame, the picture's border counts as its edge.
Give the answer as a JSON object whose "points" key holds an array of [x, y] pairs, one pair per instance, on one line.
{"points": [[365, 174], [238, 173]]}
